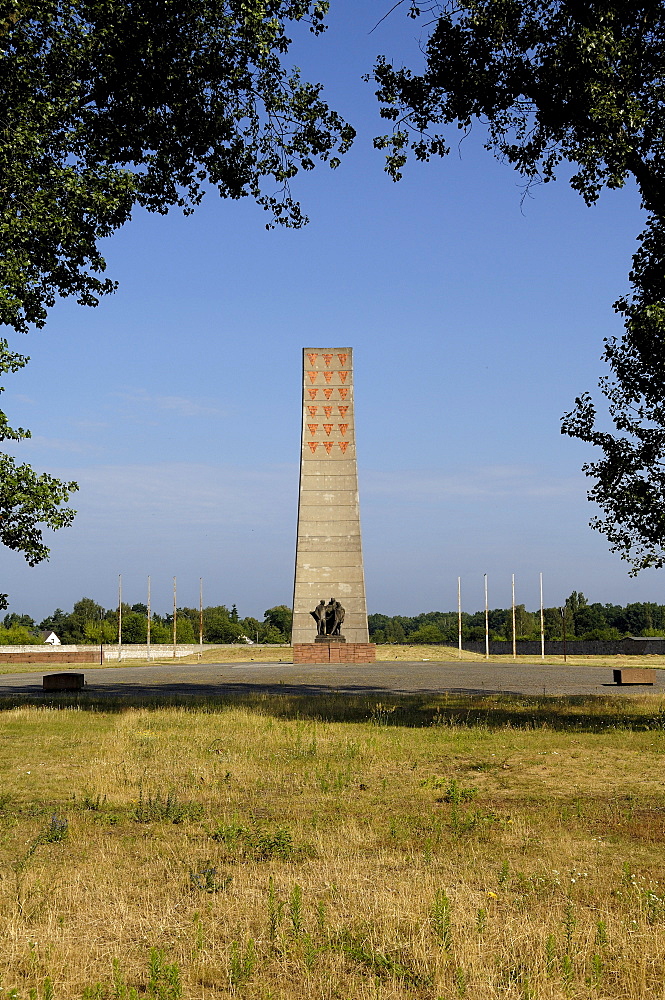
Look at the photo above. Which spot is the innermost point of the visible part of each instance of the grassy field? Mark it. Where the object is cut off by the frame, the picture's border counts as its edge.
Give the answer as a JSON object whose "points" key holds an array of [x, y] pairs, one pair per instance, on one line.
{"points": [[284, 654], [333, 847]]}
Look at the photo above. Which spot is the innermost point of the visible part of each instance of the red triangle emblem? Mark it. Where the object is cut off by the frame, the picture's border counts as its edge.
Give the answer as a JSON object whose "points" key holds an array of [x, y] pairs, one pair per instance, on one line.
{"points": [[327, 358], [312, 358], [327, 428], [328, 393], [342, 358], [327, 376], [343, 428], [343, 392], [313, 445], [312, 376], [313, 428], [343, 376], [327, 410], [343, 445], [342, 410], [328, 445], [312, 393], [313, 410]]}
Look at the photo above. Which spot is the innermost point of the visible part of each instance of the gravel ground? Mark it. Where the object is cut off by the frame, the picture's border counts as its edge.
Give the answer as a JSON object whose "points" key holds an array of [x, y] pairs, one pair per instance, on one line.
{"points": [[526, 678]]}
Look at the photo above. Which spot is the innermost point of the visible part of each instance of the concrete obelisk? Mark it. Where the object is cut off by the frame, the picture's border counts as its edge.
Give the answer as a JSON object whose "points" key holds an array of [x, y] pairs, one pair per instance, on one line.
{"points": [[329, 560]]}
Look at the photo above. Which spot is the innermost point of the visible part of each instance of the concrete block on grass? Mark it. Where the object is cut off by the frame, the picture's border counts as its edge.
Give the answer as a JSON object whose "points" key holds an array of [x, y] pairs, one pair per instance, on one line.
{"points": [[68, 681]]}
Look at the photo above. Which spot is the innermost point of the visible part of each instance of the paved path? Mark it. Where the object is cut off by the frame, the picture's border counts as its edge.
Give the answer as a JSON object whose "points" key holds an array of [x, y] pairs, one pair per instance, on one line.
{"points": [[159, 679]]}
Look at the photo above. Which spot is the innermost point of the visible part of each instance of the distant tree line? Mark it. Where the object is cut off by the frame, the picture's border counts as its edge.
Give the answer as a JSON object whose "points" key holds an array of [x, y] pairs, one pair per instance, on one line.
{"points": [[582, 621], [90, 623]]}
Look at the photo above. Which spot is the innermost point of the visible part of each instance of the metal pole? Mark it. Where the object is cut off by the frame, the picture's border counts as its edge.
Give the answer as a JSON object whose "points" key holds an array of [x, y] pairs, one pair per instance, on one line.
{"points": [[148, 630], [514, 632], [563, 619], [487, 626], [175, 616], [201, 612], [119, 616], [459, 616], [542, 621]]}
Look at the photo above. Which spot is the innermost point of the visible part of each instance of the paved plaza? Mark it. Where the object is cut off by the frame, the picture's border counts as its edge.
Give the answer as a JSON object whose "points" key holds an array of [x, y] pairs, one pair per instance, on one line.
{"points": [[455, 677]]}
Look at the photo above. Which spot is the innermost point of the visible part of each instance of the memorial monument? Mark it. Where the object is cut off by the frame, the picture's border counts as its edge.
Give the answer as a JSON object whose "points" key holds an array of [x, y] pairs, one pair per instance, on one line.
{"points": [[329, 557]]}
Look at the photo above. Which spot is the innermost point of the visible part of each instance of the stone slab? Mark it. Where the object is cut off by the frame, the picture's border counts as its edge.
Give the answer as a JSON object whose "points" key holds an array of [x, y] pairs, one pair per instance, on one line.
{"points": [[334, 483], [327, 513], [328, 495], [328, 543], [68, 681], [328, 498], [335, 465], [332, 576], [634, 675], [336, 455], [346, 528], [330, 561]]}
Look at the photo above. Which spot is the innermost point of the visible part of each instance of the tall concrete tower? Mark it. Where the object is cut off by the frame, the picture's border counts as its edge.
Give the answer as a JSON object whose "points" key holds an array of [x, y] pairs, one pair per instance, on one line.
{"points": [[329, 559]]}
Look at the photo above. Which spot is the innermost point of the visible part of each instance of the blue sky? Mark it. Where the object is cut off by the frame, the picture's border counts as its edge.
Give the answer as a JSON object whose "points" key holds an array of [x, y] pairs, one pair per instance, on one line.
{"points": [[476, 317]]}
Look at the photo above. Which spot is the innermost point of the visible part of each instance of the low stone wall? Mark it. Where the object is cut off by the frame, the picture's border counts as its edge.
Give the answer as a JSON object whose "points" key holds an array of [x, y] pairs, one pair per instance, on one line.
{"points": [[337, 652], [643, 646], [45, 649], [92, 655], [158, 650]]}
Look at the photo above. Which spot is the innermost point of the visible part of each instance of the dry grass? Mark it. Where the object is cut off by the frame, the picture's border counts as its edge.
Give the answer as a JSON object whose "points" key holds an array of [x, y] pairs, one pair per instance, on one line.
{"points": [[238, 654], [451, 653], [333, 848], [46, 667], [405, 653], [384, 653]]}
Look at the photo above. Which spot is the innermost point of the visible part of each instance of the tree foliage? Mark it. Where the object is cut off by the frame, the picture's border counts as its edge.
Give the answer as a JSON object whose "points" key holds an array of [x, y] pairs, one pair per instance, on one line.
{"points": [[89, 622], [583, 621], [107, 105], [581, 82], [280, 618], [29, 502]]}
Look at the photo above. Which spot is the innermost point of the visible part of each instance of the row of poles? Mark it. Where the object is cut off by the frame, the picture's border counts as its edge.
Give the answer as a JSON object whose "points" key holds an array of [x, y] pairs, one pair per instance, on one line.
{"points": [[487, 630], [459, 618], [149, 616]]}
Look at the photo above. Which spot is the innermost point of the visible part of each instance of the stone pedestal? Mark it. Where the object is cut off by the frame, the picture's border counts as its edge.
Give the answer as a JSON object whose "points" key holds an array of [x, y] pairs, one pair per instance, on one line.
{"points": [[333, 652]]}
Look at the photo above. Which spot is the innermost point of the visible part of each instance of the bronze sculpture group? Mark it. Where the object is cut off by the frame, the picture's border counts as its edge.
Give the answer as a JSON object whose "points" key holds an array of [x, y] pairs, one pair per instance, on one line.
{"points": [[328, 617]]}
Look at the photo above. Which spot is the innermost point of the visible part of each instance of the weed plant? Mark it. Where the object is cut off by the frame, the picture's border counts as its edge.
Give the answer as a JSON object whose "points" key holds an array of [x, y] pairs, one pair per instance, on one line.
{"points": [[333, 848]]}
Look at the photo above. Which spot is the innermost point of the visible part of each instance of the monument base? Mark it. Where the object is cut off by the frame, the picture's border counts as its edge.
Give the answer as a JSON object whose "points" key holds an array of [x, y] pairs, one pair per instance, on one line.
{"points": [[330, 638], [333, 651]]}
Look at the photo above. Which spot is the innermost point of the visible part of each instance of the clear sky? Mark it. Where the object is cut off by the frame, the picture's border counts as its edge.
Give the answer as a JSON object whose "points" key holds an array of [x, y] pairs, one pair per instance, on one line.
{"points": [[476, 318]]}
